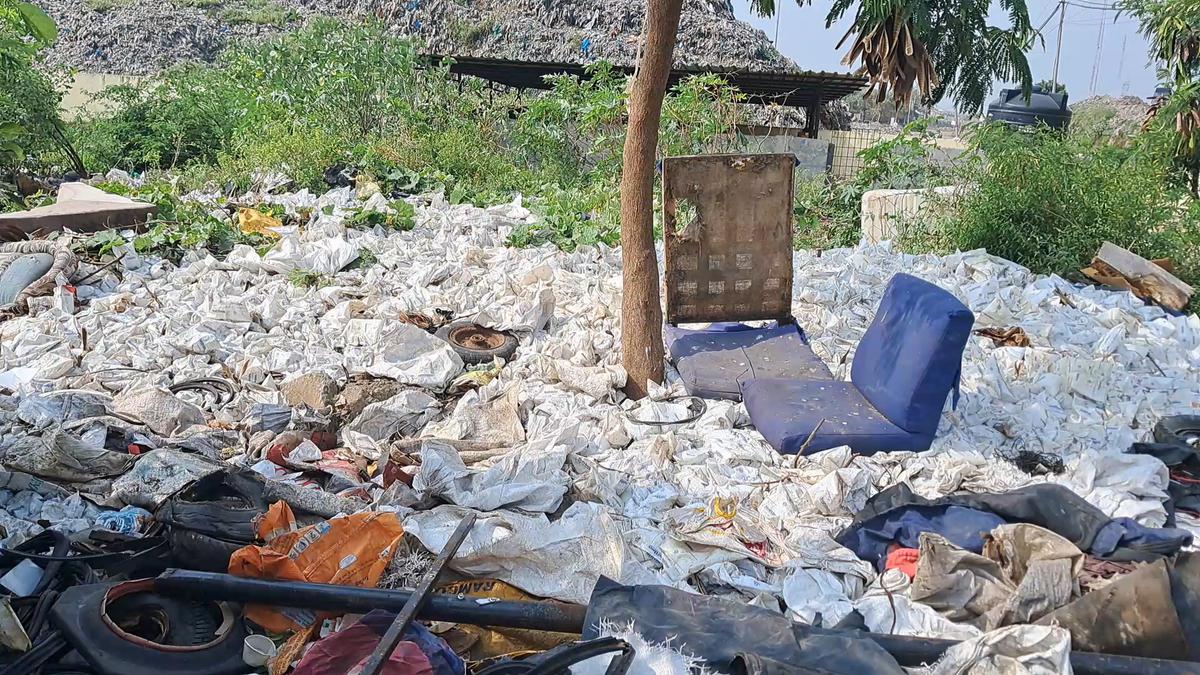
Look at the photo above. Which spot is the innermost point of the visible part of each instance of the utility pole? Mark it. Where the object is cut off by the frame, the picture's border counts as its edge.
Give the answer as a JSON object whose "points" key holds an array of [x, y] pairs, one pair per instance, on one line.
{"points": [[1062, 15], [778, 16], [1121, 65], [1096, 63]]}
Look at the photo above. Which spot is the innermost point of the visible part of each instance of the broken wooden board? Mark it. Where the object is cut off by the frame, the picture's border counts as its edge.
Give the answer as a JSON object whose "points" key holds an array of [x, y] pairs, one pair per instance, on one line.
{"points": [[1119, 268], [727, 231]]}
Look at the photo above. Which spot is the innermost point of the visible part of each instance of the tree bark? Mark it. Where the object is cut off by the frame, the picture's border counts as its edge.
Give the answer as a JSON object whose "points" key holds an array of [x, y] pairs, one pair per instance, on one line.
{"points": [[641, 311]]}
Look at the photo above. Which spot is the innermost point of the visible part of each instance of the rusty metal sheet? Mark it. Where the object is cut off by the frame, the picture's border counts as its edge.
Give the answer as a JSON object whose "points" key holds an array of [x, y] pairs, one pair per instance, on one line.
{"points": [[727, 226]]}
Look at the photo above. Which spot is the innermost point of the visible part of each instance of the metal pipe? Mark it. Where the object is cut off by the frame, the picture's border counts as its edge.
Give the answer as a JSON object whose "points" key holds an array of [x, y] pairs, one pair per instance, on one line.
{"points": [[559, 617]]}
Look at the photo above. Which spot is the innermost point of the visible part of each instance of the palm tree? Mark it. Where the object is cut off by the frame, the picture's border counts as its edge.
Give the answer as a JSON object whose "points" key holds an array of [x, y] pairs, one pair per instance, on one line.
{"points": [[941, 47], [1172, 27]]}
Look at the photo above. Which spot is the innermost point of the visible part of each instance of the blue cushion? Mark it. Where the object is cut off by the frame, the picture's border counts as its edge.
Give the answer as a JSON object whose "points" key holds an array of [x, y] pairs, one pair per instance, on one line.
{"points": [[787, 411], [715, 362], [910, 357]]}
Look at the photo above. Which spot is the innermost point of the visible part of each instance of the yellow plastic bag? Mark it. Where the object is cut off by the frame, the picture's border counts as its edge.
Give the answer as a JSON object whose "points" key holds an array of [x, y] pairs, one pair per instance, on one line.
{"points": [[251, 221], [482, 643]]}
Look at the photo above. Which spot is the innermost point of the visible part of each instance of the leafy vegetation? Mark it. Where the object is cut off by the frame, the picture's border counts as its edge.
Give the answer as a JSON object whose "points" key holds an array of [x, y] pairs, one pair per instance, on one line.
{"points": [[1047, 201], [261, 12], [307, 279], [940, 47], [331, 94], [1050, 87], [29, 120], [1173, 29]]}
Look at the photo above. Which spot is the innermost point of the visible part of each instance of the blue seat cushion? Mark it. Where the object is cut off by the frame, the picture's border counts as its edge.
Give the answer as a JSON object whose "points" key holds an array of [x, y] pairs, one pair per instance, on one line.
{"points": [[911, 356], [715, 362], [787, 411]]}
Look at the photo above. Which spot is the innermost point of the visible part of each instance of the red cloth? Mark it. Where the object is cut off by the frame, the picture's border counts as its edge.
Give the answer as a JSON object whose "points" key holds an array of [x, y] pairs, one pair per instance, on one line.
{"points": [[345, 652], [903, 559]]}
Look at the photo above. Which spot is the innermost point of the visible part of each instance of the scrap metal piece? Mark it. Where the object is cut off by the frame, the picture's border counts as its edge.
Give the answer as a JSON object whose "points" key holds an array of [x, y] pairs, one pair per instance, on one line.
{"points": [[727, 228], [417, 600]]}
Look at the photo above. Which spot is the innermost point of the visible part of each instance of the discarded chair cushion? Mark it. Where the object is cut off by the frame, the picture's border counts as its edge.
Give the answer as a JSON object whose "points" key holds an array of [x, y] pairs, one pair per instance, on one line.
{"points": [[715, 362], [787, 412], [906, 364], [910, 357]]}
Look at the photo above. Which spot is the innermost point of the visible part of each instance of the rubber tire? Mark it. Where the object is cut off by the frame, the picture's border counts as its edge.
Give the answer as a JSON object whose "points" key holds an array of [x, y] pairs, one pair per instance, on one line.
{"points": [[77, 615], [1177, 430], [477, 356], [188, 622]]}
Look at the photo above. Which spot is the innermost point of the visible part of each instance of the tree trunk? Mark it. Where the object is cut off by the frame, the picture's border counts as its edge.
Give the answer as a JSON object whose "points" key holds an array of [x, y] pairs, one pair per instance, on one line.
{"points": [[641, 312]]}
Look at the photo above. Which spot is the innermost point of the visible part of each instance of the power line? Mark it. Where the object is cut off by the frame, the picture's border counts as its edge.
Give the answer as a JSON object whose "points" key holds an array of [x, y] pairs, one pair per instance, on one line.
{"points": [[1098, 8]]}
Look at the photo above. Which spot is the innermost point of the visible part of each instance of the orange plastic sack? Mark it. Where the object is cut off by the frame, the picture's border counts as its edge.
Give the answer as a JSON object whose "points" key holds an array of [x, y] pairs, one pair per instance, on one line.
{"points": [[352, 550]]}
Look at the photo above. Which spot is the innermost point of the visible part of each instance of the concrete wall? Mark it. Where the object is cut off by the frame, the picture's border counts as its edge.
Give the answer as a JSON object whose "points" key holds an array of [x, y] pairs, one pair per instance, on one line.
{"points": [[887, 213]]}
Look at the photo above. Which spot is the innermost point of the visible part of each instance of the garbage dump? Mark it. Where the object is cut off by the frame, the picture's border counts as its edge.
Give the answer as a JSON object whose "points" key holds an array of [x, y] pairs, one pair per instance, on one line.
{"points": [[425, 464]]}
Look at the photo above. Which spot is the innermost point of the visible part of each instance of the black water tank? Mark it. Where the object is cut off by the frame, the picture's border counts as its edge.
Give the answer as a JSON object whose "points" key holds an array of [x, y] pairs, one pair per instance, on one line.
{"points": [[1041, 108]]}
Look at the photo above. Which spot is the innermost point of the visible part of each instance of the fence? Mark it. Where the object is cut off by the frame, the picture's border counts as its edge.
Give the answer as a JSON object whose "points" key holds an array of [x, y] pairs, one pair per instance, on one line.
{"points": [[845, 161]]}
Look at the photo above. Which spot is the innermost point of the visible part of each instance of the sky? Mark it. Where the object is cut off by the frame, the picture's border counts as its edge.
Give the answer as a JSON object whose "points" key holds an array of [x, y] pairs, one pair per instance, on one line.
{"points": [[804, 39]]}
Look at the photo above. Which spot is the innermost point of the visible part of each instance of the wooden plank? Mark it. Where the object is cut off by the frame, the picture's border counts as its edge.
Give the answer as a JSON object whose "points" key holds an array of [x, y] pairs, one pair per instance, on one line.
{"points": [[1145, 279]]}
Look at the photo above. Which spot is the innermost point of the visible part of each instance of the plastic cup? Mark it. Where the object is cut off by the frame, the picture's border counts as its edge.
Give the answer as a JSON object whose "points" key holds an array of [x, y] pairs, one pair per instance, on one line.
{"points": [[257, 650]]}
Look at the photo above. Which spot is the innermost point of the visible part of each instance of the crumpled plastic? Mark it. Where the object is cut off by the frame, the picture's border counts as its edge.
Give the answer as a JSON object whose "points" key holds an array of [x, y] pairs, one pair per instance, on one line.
{"points": [[352, 550], [1100, 369], [160, 410], [562, 559], [157, 475], [528, 479], [26, 501], [492, 423], [404, 414], [61, 457], [60, 407], [402, 352], [1015, 650]]}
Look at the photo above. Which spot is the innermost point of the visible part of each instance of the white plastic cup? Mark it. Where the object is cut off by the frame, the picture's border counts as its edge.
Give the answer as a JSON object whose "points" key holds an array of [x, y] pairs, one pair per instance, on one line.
{"points": [[257, 650]]}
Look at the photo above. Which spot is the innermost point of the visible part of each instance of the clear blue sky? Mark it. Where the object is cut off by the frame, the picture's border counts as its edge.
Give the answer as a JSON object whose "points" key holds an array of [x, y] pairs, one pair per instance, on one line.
{"points": [[804, 38]]}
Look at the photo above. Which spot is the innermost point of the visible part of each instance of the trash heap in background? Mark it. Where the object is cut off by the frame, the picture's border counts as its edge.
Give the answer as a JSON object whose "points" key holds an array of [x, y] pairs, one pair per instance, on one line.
{"points": [[219, 416]]}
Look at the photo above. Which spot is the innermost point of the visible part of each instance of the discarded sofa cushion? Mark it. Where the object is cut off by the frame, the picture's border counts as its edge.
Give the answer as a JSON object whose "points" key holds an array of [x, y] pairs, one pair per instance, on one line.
{"points": [[721, 632], [910, 357], [787, 412], [898, 515], [715, 362]]}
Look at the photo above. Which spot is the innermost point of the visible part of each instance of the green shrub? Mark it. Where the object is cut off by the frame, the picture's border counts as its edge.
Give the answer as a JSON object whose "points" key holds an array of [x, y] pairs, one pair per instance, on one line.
{"points": [[1048, 201], [261, 12], [826, 214]]}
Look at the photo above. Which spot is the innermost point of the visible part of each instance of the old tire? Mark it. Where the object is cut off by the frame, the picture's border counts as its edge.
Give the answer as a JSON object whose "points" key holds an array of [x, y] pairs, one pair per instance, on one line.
{"points": [[1179, 430], [476, 344]]}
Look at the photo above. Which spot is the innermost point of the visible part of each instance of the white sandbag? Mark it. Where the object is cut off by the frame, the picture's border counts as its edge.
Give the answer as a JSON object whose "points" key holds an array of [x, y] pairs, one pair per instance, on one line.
{"points": [[561, 559], [530, 478]]}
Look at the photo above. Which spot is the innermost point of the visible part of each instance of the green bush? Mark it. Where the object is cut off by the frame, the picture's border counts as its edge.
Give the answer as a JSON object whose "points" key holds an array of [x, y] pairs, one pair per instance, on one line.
{"points": [[1048, 201], [826, 213], [261, 12]]}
